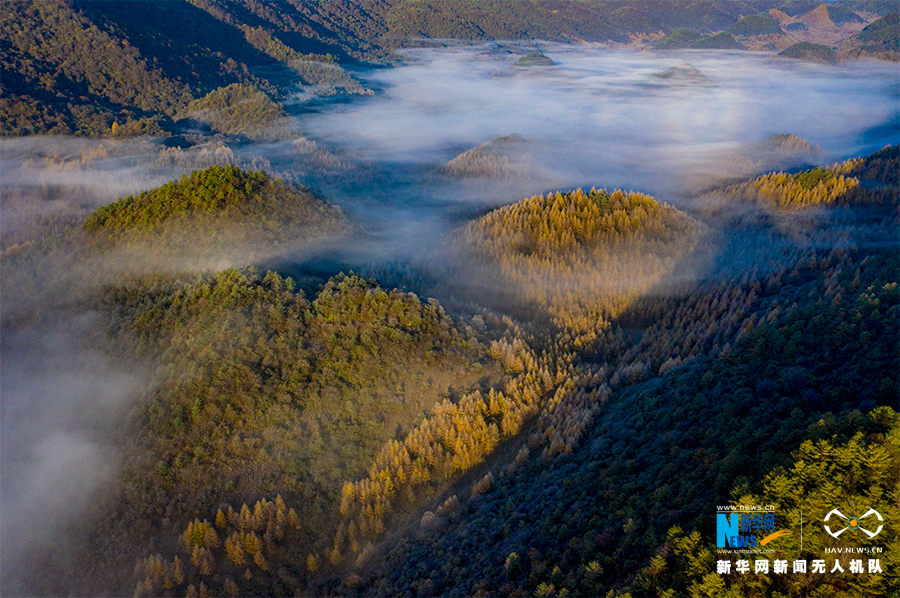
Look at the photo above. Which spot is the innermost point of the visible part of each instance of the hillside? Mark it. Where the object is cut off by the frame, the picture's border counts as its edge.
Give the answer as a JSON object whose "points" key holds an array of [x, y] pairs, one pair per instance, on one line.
{"points": [[617, 496], [238, 110], [63, 73], [719, 41], [498, 158], [251, 364], [220, 215], [880, 39], [225, 193], [580, 256], [871, 180], [810, 53], [803, 189], [755, 25], [79, 68], [883, 33], [680, 38], [684, 38]]}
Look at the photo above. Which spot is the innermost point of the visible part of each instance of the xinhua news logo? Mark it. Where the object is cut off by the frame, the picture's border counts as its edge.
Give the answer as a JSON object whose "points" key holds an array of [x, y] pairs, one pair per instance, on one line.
{"points": [[750, 528], [852, 523]]}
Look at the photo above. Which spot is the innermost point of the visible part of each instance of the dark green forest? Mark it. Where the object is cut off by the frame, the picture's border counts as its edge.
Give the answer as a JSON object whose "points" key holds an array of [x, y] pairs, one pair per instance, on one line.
{"points": [[284, 436], [550, 400]]}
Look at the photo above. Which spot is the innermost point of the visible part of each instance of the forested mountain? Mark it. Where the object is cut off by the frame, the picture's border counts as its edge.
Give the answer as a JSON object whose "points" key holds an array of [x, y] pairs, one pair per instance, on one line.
{"points": [[245, 361], [81, 67], [580, 256], [880, 39], [853, 182], [284, 436], [62, 73], [208, 201], [252, 364], [498, 158], [810, 52], [801, 351]]}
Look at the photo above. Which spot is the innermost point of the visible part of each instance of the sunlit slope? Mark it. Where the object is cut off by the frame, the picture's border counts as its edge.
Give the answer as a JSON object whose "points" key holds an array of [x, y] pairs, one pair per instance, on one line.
{"points": [[260, 395], [238, 110], [581, 256], [870, 180]]}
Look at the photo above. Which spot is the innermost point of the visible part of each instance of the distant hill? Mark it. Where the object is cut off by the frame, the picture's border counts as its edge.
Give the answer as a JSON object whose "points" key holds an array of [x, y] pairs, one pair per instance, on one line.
{"points": [[682, 73], [496, 158], [221, 213], [593, 20], [840, 14], [884, 32], [236, 110], [810, 52], [823, 23], [680, 38], [779, 151], [720, 41], [755, 25], [786, 143], [535, 59], [796, 8], [881, 39], [686, 38]]}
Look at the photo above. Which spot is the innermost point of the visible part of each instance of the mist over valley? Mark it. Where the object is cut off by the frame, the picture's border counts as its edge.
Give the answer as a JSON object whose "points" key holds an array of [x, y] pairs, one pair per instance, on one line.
{"points": [[398, 298]]}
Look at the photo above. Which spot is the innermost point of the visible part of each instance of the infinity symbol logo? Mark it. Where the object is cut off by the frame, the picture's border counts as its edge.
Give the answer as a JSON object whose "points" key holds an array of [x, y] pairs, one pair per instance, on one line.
{"points": [[854, 523]]}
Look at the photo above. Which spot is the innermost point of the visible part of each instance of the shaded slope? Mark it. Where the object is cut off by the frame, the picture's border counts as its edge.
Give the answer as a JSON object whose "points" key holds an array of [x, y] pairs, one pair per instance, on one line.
{"points": [[62, 72]]}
